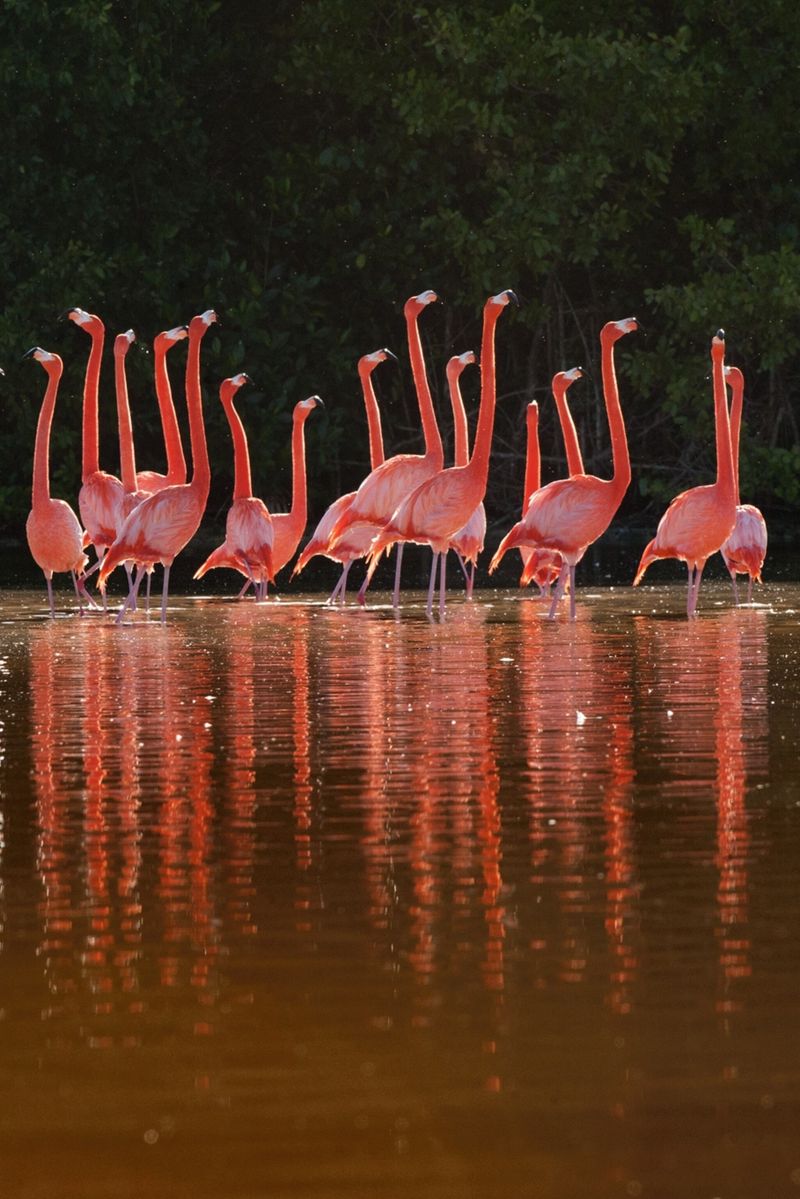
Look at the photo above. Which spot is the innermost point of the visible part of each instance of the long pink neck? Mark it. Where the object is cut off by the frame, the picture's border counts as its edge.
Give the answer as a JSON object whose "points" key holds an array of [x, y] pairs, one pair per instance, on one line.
{"points": [[433, 441], [299, 513], [127, 454], [568, 430], [201, 469], [176, 459], [533, 457], [242, 481], [91, 397], [41, 452], [460, 429], [726, 481], [479, 462], [737, 387], [616, 423], [373, 416]]}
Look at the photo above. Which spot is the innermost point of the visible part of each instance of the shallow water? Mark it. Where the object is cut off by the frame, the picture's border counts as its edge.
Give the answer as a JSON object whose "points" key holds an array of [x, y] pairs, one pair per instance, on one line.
{"points": [[301, 902]]}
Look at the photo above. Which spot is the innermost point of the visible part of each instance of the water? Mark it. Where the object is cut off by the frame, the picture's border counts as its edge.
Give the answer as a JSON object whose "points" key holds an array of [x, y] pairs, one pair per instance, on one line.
{"points": [[300, 902]]}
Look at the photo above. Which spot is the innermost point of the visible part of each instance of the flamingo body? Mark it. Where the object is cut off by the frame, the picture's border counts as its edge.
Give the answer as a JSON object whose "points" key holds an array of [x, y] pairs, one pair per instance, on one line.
{"points": [[746, 548], [248, 542], [693, 528], [55, 537], [100, 505]]}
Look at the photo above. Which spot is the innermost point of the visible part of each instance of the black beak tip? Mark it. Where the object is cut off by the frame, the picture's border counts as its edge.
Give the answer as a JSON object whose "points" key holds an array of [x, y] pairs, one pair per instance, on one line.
{"points": [[389, 354], [512, 295], [720, 333], [29, 353]]}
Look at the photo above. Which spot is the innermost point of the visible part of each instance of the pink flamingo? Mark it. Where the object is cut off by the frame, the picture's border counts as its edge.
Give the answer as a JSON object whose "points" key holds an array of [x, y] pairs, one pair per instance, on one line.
{"points": [[746, 548], [159, 528], [544, 565], [151, 480], [698, 521], [54, 533], [290, 526], [349, 546], [468, 541], [569, 514], [249, 533], [384, 488], [100, 496], [438, 507]]}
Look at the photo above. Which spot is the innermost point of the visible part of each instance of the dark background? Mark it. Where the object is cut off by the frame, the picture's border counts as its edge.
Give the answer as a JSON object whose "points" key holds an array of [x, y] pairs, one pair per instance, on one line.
{"points": [[305, 167]]}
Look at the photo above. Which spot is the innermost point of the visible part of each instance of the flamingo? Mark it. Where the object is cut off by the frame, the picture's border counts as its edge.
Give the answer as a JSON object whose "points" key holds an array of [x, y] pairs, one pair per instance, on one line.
{"points": [[249, 532], [151, 480], [100, 496], [384, 487], [438, 507], [290, 526], [349, 547], [468, 541], [699, 521], [544, 565], [159, 528], [569, 514], [745, 549], [54, 533]]}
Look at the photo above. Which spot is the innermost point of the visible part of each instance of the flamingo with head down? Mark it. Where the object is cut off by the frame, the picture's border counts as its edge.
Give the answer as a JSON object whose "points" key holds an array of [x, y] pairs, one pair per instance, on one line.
{"points": [[699, 521], [569, 514], [746, 548]]}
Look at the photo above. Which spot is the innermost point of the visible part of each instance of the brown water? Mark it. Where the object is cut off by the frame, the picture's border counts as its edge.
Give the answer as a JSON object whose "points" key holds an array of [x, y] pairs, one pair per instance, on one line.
{"points": [[301, 902]]}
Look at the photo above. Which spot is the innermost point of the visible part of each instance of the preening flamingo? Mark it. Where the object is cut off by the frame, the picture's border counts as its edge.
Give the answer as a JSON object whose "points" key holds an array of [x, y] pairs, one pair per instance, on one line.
{"points": [[54, 533], [544, 565], [443, 503], [746, 548], [100, 496], [350, 546], [698, 521], [468, 541], [569, 514], [151, 480], [384, 488], [159, 528], [249, 533], [290, 526]]}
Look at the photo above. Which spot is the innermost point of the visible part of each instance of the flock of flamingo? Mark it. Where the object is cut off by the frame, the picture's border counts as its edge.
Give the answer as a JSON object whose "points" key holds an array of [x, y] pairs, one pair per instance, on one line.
{"points": [[146, 518]]}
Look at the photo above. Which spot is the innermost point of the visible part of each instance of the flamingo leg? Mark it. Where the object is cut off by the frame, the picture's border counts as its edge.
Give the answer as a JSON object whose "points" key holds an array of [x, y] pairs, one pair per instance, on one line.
{"points": [[244, 590], [131, 590], [432, 584], [463, 567], [442, 588], [48, 578], [749, 589], [77, 591], [572, 591], [129, 601], [471, 580], [398, 563], [343, 580], [559, 591], [147, 592], [735, 588], [694, 590], [164, 591]]}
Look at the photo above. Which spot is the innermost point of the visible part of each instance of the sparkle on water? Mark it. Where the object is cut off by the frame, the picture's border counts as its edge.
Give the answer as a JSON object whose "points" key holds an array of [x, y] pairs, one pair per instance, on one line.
{"points": [[347, 904]]}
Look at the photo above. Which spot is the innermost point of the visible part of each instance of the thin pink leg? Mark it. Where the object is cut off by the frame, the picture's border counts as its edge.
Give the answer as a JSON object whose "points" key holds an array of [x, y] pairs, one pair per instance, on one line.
{"points": [[245, 589], [432, 584], [129, 601], [749, 589], [559, 591], [49, 580], [442, 589], [735, 588], [572, 591], [397, 565], [164, 591], [345, 573], [471, 580], [694, 591]]}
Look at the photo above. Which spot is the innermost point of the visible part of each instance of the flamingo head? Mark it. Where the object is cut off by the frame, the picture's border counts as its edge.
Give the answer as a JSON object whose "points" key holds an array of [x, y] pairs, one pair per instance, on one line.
{"points": [[734, 377], [533, 413], [170, 336], [202, 323], [458, 363], [50, 362], [628, 324], [85, 320], [370, 361], [229, 387], [415, 304], [503, 298], [718, 344], [303, 407], [123, 342], [572, 375]]}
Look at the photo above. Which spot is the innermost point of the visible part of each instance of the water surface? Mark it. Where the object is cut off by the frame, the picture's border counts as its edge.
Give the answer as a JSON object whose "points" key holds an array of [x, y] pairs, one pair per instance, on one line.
{"points": [[301, 902]]}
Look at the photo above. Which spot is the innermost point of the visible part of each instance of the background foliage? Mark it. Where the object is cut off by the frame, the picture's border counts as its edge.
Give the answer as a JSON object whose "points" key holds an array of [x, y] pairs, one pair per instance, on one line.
{"points": [[304, 167]]}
